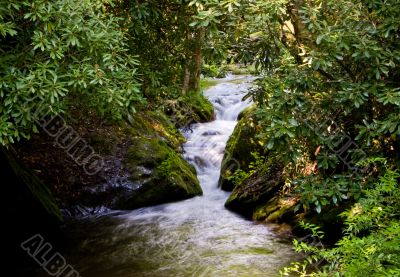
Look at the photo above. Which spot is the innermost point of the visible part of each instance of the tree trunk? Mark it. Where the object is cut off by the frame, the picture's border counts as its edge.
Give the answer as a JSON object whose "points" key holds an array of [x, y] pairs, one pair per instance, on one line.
{"points": [[186, 80], [191, 78], [296, 21], [197, 60]]}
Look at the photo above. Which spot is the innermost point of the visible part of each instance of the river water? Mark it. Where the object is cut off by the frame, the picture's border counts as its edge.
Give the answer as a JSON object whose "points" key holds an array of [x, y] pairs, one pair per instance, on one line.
{"points": [[196, 237]]}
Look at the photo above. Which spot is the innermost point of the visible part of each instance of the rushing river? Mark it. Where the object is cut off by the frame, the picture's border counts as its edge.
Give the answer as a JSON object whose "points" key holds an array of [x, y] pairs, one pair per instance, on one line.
{"points": [[196, 237]]}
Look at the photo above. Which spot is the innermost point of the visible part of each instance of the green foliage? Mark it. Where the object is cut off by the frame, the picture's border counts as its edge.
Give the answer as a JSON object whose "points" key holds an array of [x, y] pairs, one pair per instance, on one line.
{"points": [[207, 83], [371, 242], [328, 94], [60, 50], [240, 175], [159, 33], [328, 102], [213, 71], [240, 69], [321, 191], [189, 108], [337, 74]]}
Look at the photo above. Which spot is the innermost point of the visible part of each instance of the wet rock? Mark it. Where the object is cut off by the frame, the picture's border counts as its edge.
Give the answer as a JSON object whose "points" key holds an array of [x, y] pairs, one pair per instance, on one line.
{"points": [[239, 147], [276, 210], [211, 133], [200, 162], [172, 177], [257, 189], [155, 124], [189, 108]]}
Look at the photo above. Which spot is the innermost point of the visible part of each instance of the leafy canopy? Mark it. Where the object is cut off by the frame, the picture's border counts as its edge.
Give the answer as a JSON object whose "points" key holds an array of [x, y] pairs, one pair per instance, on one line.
{"points": [[56, 51], [328, 102]]}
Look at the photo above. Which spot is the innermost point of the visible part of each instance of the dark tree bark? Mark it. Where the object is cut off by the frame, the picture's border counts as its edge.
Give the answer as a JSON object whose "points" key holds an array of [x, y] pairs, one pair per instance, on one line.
{"points": [[191, 79]]}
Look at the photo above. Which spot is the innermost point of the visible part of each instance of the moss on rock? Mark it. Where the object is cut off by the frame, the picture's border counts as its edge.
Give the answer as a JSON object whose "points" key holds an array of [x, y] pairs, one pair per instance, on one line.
{"points": [[239, 147], [149, 169], [277, 210], [256, 189], [147, 152], [155, 124], [201, 106], [189, 108], [158, 175]]}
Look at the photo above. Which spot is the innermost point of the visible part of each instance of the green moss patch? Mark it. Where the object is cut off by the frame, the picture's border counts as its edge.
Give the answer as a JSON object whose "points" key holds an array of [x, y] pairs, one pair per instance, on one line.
{"points": [[161, 174], [239, 148], [200, 105], [256, 189], [207, 83], [189, 108], [276, 209]]}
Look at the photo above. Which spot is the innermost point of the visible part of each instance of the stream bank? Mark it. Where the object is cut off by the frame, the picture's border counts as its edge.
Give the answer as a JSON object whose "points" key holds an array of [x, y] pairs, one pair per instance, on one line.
{"points": [[195, 237]]}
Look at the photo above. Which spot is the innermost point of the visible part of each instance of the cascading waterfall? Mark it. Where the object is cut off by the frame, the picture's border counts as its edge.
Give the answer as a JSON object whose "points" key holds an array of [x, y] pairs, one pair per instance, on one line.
{"points": [[196, 237]]}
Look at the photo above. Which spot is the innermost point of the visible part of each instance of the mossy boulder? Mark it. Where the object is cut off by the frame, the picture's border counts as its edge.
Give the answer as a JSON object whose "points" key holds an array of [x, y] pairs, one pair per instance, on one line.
{"points": [[200, 105], [281, 210], [147, 167], [147, 152], [260, 187], [133, 152], [276, 210], [155, 124], [189, 108], [158, 175], [239, 148]]}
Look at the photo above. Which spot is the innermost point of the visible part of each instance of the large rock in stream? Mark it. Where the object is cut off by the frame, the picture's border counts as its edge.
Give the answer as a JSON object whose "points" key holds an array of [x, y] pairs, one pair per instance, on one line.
{"points": [[263, 195], [258, 196], [257, 189], [140, 161], [153, 169], [158, 175], [239, 148]]}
